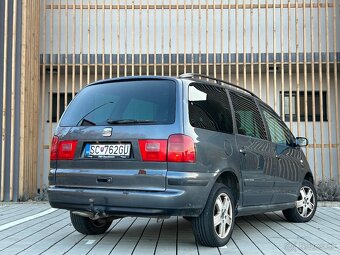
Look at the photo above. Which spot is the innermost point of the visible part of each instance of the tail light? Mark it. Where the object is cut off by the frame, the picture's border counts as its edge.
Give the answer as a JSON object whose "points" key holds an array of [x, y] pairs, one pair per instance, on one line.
{"points": [[178, 148], [62, 150], [153, 150], [181, 148]]}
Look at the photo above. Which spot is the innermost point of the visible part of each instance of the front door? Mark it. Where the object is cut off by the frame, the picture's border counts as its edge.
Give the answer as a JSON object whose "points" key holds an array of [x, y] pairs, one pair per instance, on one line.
{"points": [[289, 158]]}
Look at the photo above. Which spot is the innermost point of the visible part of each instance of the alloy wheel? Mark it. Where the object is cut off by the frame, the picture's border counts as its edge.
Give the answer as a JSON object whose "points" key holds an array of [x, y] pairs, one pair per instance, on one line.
{"points": [[306, 201], [223, 213]]}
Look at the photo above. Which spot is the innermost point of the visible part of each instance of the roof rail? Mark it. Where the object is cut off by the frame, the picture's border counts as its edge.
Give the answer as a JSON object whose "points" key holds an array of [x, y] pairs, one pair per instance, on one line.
{"points": [[218, 81]]}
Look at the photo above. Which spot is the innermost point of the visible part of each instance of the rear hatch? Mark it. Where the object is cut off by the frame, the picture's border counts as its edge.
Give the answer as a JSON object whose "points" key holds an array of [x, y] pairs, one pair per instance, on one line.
{"points": [[114, 135]]}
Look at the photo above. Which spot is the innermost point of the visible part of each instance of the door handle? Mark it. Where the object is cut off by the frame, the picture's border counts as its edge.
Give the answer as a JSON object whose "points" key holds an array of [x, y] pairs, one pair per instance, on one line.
{"points": [[243, 151], [278, 157]]}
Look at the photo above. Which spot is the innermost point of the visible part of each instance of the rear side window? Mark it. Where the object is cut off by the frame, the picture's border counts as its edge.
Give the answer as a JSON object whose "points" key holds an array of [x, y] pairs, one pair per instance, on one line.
{"points": [[279, 132], [126, 102], [209, 108], [248, 118]]}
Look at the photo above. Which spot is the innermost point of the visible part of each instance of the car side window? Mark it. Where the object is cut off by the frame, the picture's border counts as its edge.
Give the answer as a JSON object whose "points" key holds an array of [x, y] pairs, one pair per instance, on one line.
{"points": [[279, 133], [248, 117], [209, 108]]}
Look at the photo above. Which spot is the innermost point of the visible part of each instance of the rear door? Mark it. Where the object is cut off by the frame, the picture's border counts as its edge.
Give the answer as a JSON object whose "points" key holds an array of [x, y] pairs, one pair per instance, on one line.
{"points": [[113, 124], [256, 153]]}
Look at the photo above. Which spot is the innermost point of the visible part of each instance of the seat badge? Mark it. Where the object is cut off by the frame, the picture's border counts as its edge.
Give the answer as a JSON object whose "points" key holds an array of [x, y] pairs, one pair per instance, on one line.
{"points": [[107, 132]]}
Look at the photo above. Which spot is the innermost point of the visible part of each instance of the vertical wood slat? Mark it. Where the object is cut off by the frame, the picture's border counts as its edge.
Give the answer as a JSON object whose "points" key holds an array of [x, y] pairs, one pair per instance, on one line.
{"points": [[170, 50], [177, 40], [206, 39], [259, 50], [4, 103], [185, 37], [147, 37], [96, 41], [297, 68], [290, 67], [66, 58], [267, 54], [236, 45], [58, 59], [14, 38], [73, 76], [328, 76], [214, 38], [336, 86], [125, 41], [283, 114], [43, 91], [274, 60], [321, 90], [133, 40], [103, 40], [111, 39], [192, 38], [140, 38], [313, 90], [154, 40], [305, 72], [244, 46], [252, 44], [118, 39], [80, 49], [88, 42], [199, 37], [222, 41], [229, 41]]}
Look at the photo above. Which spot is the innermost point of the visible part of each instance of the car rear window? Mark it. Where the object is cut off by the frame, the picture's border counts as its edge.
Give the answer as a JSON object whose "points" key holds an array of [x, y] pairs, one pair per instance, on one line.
{"points": [[125, 102]]}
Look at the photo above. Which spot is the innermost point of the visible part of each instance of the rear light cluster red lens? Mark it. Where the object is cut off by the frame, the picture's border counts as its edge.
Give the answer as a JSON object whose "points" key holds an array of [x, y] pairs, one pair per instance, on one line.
{"points": [[178, 148], [62, 150]]}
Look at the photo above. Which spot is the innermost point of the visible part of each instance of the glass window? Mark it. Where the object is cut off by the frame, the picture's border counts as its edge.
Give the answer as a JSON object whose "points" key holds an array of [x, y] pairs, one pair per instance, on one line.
{"points": [[310, 105], [279, 133], [147, 101], [209, 108], [61, 104], [248, 118]]}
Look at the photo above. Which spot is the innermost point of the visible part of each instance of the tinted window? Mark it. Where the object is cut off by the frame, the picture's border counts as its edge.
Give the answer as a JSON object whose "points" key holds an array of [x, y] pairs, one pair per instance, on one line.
{"points": [[248, 118], [279, 133], [145, 100], [209, 108]]}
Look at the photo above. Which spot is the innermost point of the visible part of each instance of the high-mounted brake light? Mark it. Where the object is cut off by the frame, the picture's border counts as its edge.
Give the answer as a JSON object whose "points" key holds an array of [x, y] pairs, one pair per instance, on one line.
{"points": [[181, 148], [62, 150]]}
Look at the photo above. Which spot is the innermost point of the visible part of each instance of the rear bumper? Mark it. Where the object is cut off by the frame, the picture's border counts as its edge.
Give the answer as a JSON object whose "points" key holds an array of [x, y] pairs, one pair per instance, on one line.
{"points": [[179, 200]]}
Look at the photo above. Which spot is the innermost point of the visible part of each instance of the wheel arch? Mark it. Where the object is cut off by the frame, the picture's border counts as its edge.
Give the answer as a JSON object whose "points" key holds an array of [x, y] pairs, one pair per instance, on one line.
{"points": [[231, 179], [309, 177]]}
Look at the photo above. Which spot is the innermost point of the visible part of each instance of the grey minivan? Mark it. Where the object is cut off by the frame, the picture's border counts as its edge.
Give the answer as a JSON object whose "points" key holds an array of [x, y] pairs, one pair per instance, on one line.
{"points": [[192, 146]]}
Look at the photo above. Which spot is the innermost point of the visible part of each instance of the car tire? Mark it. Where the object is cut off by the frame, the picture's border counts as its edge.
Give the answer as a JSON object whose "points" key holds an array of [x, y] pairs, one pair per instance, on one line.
{"points": [[87, 226], [306, 204], [215, 224]]}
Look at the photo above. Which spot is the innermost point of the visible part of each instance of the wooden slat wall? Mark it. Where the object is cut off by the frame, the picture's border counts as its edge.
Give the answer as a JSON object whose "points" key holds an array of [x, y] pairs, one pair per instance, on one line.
{"points": [[19, 80], [215, 37]]}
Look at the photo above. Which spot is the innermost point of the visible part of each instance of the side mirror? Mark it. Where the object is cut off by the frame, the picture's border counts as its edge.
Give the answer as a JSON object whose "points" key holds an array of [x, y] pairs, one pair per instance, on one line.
{"points": [[301, 141]]}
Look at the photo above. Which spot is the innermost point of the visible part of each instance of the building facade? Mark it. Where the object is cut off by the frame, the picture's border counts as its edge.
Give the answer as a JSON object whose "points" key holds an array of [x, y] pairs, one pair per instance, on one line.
{"points": [[286, 51]]}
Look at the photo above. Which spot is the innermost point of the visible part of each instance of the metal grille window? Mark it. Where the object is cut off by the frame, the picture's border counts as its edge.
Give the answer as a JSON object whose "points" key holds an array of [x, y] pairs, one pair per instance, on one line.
{"points": [[209, 108], [310, 105], [279, 133], [61, 104], [248, 118]]}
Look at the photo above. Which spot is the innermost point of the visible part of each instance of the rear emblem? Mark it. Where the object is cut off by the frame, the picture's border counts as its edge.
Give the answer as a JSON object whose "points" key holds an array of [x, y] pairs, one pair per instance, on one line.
{"points": [[107, 131]]}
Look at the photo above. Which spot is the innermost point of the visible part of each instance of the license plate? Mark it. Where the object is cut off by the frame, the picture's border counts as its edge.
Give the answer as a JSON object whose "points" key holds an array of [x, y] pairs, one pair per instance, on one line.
{"points": [[107, 150]]}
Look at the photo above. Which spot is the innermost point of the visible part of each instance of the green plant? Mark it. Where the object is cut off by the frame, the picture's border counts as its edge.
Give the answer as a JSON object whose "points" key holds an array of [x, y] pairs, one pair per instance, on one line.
{"points": [[328, 190]]}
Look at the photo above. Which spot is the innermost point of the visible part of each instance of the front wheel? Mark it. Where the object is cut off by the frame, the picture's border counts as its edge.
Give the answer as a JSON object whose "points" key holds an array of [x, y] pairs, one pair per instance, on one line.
{"points": [[305, 205], [215, 224]]}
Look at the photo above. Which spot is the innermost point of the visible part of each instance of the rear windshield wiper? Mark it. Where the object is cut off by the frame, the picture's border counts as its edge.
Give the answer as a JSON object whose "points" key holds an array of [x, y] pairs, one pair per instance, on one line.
{"points": [[129, 121]]}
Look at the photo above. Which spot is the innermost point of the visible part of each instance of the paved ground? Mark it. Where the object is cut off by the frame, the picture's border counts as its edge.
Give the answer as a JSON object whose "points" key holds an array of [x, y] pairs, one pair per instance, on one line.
{"points": [[38, 229]]}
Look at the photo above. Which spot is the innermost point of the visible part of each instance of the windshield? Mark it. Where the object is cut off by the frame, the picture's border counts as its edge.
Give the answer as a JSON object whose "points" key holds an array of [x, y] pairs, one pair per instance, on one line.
{"points": [[122, 103]]}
